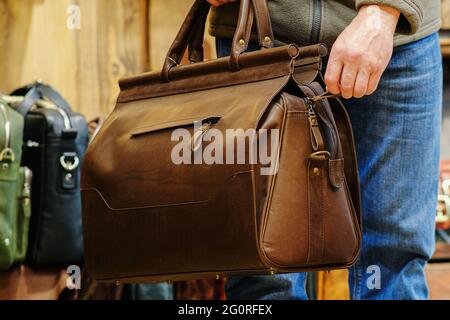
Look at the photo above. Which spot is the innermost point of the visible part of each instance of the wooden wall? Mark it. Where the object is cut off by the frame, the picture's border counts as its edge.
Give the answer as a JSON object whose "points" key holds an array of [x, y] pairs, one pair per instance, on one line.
{"points": [[84, 65]]}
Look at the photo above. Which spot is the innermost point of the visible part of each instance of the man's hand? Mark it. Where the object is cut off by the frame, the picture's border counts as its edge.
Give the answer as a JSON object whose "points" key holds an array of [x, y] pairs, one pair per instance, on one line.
{"points": [[362, 52], [218, 3]]}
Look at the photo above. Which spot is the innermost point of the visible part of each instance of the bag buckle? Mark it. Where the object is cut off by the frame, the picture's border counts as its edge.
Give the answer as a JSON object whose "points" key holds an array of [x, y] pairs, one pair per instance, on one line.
{"points": [[320, 155], [7, 156], [69, 161]]}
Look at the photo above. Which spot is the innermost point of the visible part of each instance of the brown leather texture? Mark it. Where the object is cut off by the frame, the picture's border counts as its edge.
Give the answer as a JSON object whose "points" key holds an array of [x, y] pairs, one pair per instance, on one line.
{"points": [[148, 219]]}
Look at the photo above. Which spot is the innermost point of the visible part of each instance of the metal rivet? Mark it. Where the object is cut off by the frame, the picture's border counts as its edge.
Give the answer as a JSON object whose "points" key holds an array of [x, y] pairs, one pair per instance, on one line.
{"points": [[267, 39], [7, 242], [316, 171], [5, 166], [69, 177], [118, 283], [242, 42]]}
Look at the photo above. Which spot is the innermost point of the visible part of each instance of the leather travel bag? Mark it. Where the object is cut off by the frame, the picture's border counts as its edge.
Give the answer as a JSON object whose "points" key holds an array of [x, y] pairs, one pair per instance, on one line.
{"points": [[149, 216], [55, 140], [15, 184]]}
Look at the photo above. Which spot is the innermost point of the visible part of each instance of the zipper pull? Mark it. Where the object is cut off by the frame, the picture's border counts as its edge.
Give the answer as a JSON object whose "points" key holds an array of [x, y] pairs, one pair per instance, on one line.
{"points": [[7, 156], [198, 136], [26, 192], [316, 136], [312, 117]]}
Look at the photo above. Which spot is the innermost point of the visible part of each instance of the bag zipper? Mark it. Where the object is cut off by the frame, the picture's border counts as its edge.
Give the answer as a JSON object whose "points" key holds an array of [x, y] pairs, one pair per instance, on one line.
{"points": [[317, 21], [26, 191], [7, 155], [197, 138], [7, 126], [325, 121], [313, 123]]}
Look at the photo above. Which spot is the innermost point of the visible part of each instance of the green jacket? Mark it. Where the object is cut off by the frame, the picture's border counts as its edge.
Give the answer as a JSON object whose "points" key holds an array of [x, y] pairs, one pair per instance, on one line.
{"points": [[313, 21]]}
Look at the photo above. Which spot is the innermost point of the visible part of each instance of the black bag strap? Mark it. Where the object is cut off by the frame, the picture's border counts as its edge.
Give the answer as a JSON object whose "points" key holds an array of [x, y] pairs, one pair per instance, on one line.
{"points": [[36, 91]]}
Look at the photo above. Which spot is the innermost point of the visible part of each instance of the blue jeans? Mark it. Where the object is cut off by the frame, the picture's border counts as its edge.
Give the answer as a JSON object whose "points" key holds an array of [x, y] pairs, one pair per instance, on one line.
{"points": [[397, 132]]}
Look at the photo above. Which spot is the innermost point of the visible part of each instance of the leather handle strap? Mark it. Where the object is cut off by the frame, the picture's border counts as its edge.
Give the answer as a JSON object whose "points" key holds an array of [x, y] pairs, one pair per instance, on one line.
{"points": [[38, 91], [197, 15], [54, 96], [192, 33], [196, 52], [241, 37], [264, 23], [243, 31]]}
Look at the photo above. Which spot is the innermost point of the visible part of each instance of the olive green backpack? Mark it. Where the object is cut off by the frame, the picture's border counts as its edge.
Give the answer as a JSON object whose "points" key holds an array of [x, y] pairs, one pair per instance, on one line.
{"points": [[15, 184]]}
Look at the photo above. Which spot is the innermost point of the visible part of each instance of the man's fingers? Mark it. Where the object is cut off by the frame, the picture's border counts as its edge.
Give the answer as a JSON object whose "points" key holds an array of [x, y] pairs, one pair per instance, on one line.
{"points": [[348, 78], [214, 3], [361, 84], [218, 3], [373, 82], [333, 76]]}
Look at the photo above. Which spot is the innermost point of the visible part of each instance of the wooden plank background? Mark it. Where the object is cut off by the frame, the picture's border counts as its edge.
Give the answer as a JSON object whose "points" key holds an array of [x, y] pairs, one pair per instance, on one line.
{"points": [[84, 65]]}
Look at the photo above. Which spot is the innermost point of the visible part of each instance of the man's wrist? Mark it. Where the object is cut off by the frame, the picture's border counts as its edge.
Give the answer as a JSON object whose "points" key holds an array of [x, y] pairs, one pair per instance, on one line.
{"points": [[380, 16]]}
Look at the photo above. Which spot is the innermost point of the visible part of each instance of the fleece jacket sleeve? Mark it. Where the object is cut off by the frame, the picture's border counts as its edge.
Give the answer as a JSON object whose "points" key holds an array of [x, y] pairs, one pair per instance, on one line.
{"points": [[411, 13]]}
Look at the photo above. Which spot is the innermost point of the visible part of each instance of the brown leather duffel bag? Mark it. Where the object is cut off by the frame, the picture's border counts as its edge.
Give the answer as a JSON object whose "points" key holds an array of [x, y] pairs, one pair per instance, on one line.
{"points": [[168, 193]]}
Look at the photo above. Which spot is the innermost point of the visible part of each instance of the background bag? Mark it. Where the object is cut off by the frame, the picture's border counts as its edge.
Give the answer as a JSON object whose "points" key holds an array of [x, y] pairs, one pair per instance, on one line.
{"points": [[55, 139], [147, 218], [14, 189]]}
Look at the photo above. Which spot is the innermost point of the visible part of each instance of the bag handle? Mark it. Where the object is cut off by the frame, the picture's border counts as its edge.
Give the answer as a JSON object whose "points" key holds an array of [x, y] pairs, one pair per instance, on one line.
{"points": [[37, 91], [192, 32]]}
